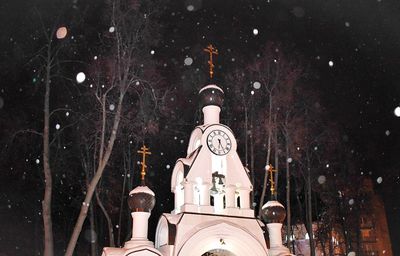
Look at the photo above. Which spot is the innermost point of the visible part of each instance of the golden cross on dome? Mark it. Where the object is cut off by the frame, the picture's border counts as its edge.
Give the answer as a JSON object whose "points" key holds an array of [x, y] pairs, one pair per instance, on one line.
{"points": [[144, 151], [271, 172], [211, 51]]}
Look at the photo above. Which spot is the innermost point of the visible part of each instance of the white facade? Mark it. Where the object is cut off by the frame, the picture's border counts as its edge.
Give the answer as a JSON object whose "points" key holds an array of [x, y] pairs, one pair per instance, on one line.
{"points": [[212, 201]]}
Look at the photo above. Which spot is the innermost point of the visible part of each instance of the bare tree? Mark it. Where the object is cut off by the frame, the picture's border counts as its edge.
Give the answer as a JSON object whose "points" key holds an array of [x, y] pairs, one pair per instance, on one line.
{"points": [[122, 72]]}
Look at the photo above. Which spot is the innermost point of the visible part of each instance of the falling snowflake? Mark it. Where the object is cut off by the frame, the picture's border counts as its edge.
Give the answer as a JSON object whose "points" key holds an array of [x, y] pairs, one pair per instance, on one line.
{"points": [[152, 52], [95, 57], [252, 92], [112, 107], [80, 77], [330, 63], [347, 24], [37, 161], [67, 113], [351, 201], [397, 111], [379, 180], [387, 132], [327, 165], [111, 29], [255, 31], [168, 166], [257, 85], [192, 5], [61, 32], [298, 11], [58, 126], [188, 61], [289, 160], [321, 179]]}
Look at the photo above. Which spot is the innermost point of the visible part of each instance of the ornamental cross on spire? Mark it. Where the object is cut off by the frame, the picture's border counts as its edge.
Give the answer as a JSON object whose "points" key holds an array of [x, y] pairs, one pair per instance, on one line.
{"points": [[144, 151], [211, 51], [271, 172]]}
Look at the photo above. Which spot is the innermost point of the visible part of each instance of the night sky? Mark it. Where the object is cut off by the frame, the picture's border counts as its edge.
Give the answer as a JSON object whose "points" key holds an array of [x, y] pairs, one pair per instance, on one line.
{"points": [[351, 50]]}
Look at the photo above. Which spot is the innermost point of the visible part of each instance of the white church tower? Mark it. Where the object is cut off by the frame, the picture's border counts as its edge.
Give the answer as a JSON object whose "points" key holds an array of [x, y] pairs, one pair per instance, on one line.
{"points": [[212, 213]]}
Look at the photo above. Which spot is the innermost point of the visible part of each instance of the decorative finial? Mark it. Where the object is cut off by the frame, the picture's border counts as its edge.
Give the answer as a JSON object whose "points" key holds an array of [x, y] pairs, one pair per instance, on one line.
{"points": [[144, 151], [211, 51], [271, 172]]}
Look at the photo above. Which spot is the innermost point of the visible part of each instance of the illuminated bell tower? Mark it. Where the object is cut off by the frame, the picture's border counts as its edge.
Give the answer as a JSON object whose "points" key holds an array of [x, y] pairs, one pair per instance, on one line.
{"points": [[211, 189]]}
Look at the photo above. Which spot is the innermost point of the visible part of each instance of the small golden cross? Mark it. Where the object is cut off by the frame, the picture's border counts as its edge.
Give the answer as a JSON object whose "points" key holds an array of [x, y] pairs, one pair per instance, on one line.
{"points": [[271, 172], [212, 51], [144, 151]]}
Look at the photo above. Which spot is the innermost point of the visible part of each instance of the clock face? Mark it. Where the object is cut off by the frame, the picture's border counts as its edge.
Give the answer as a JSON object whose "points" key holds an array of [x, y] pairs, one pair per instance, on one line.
{"points": [[219, 142]]}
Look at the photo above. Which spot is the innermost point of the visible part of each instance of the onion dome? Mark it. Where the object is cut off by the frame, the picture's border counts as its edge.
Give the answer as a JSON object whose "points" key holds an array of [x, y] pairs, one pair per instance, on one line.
{"points": [[211, 95], [273, 212], [141, 199]]}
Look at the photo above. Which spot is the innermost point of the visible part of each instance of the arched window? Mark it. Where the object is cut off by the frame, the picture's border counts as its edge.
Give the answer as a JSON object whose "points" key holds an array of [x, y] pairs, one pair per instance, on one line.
{"points": [[218, 252]]}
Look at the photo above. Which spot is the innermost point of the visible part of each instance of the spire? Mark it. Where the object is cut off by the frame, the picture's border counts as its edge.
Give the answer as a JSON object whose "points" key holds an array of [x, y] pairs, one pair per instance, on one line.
{"points": [[211, 51], [144, 151], [271, 172]]}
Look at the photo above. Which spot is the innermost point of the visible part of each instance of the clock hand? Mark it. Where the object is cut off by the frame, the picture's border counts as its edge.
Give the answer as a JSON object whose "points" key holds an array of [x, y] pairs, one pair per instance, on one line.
{"points": [[220, 145]]}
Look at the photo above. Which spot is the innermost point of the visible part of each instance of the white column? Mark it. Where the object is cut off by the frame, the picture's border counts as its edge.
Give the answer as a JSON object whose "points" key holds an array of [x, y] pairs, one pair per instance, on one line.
{"points": [[178, 197], [205, 194], [211, 114], [139, 225], [218, 202], [188, 188], [230, 196], [275, 234], [244, 198]]}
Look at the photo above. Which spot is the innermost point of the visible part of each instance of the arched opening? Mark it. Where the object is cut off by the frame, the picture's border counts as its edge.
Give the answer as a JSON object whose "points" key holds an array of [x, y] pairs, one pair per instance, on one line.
{"points": [[218, 252], [219, 238]]}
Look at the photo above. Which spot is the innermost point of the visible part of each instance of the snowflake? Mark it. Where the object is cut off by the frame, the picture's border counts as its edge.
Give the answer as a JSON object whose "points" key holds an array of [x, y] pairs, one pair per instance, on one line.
{"points": [[80, 77]]}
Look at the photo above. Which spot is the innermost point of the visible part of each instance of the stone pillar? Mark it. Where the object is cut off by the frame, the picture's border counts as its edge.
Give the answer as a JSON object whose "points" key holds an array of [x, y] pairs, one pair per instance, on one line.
{"points": [[244, 198], [211, 114], [275, 234], [140, 225], [230, 196], [188, 188], [204, 193], [178, 197], [218, 203]]}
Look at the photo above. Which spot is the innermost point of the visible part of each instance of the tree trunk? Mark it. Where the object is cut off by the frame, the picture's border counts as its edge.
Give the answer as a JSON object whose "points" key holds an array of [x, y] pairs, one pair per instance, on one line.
{"points": [[264, 187], [96, 178], [108, 219], [46, 203], [246, 129], [121, 206], [252, 156], [93, 238], [309, 212], [276, 157], [288, 206]]}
